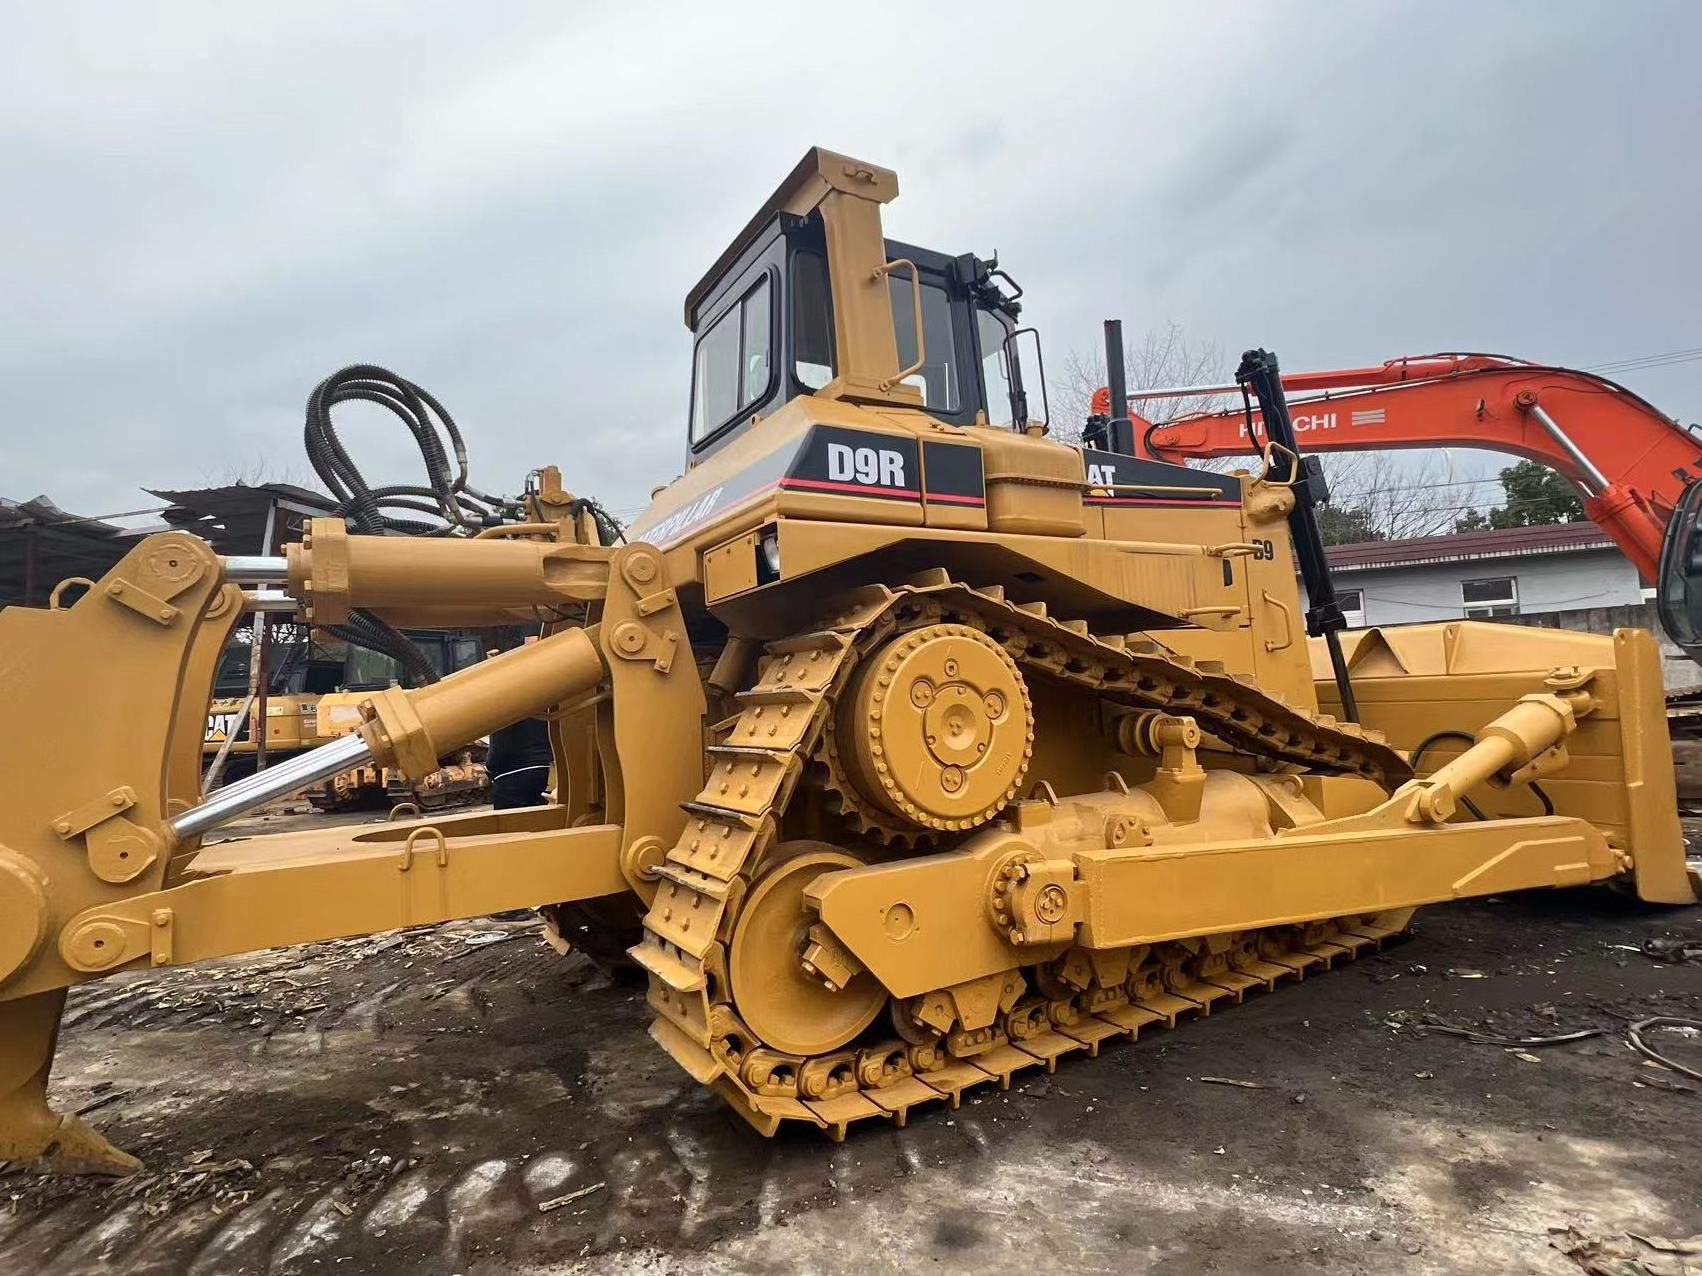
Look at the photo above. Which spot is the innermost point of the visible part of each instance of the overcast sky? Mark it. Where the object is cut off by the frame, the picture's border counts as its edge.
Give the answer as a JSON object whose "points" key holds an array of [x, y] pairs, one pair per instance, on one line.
{"points": [[210, 206]]}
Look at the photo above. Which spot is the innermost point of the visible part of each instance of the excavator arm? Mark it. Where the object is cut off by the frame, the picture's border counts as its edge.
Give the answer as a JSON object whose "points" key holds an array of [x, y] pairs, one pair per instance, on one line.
{"points": [[1630, 461]]}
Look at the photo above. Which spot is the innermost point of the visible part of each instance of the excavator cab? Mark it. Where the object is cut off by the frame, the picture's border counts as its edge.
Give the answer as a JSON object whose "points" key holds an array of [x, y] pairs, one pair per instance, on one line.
{"points": [[770, 322], [1680, 585]]}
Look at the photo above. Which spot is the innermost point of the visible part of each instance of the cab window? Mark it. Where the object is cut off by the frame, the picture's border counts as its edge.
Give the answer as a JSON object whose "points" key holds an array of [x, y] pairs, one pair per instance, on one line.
{"points": [[367, 670], [937, 378], [730, 372], [812, 321], [467, 653], [995, 366], [286, 664]]}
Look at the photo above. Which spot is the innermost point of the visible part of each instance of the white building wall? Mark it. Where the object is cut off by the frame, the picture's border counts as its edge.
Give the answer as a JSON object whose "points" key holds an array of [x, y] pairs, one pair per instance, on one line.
{"points": [[1403, 594]]}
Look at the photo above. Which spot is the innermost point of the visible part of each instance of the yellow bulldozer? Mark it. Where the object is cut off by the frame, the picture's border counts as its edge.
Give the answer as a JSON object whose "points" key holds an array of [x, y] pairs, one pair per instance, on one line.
{"points": [[905, 746]]}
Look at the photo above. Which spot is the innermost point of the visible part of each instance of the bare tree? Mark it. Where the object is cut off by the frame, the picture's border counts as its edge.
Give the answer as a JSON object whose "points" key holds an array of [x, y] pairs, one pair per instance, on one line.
{"points": [[1156, 359], [1393, 500], [258, 471], [1372, 497]]}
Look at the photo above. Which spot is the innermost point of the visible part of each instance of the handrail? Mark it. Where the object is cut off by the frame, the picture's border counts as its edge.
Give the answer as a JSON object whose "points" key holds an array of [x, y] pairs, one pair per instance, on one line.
{"points": [[916, 297]]}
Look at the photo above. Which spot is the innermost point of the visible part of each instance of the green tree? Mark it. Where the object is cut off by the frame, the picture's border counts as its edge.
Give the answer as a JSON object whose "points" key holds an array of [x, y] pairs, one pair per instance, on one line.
{"points": [[1347, 525], [1535, 496]]}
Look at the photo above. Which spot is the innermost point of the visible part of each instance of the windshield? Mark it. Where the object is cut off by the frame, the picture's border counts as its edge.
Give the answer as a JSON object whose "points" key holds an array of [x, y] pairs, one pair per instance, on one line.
{"points": [[368, 670]]}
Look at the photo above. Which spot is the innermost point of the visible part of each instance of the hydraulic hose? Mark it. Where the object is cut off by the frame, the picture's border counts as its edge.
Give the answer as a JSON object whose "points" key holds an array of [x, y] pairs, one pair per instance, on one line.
{"points": [[447, 495], [1436, 737], [446, 505], [371, 511], [609, 528]]}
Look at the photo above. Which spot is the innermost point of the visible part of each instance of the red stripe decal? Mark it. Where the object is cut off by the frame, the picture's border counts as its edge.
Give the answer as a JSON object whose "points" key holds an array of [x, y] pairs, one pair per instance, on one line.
{"points": [[860, 489], [956, 500]]}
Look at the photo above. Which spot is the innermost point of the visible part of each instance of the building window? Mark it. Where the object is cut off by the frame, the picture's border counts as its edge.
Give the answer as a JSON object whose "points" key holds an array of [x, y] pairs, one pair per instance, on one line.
{"points": [[1353, 607], [1486, 599]]}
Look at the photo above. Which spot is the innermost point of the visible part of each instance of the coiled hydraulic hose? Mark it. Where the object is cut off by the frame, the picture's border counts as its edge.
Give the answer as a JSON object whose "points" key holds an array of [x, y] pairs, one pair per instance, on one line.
{"points": [[447, 495], [449, 504]]}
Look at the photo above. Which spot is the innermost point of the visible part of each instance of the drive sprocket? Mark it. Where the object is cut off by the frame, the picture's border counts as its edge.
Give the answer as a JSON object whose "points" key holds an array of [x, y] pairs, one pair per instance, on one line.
{"points": [[935, 732]]}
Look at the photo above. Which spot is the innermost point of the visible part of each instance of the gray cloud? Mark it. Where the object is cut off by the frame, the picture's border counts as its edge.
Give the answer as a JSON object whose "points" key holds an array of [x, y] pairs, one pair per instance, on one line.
{"points": [[210, 206]]}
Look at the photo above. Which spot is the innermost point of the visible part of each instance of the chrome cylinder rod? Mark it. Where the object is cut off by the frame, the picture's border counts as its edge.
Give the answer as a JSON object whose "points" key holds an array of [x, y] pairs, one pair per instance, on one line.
{"points": [[1591, 470], [257, 570], [266, 600], [226, 804]]}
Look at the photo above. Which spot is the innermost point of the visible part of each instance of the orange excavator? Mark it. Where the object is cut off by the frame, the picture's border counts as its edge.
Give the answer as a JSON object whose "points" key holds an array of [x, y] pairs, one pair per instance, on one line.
{"points": [[1636, 468]]}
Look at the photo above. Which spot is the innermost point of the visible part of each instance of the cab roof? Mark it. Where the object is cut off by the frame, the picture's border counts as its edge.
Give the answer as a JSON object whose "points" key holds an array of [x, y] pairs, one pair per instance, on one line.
{"points": [[811, 180]]}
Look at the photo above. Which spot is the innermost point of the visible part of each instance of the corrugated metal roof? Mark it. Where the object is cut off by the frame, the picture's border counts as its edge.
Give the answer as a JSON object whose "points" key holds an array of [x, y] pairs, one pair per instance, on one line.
{"points": [[42, 544], [1511, 542], [233, 518]]}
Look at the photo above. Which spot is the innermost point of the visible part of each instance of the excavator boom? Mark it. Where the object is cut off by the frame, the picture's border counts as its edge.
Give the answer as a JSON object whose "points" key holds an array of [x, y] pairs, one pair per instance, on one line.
{"points": [[1630, 461]]}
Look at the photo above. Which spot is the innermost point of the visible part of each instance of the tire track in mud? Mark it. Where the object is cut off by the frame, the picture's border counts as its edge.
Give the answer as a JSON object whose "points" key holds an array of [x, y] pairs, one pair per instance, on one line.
{"points": [[558, 1090], [420, 1115], [650, 1186]]}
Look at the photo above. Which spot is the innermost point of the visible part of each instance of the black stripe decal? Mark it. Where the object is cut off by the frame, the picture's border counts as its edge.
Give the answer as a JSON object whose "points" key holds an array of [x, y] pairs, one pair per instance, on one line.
{"points": [[952, 474]]}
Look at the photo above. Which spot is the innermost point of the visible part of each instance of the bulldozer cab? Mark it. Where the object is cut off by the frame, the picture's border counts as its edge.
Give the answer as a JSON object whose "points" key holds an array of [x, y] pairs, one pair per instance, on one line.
{"points": [[811, 298], [1680, 586], [299, 665], [447, 652]]}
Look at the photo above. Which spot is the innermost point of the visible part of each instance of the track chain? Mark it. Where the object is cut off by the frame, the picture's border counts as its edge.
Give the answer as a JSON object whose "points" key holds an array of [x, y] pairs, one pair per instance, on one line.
{"points": [[763, 751]]}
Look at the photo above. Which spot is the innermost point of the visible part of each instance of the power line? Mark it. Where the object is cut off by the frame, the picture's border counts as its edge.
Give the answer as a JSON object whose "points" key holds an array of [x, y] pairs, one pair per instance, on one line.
{"points": [[1647, 361]]}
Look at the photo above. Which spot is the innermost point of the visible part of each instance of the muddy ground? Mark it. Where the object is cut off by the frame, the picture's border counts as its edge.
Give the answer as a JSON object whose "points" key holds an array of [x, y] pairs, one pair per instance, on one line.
{"points": [[407, 1103]]}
